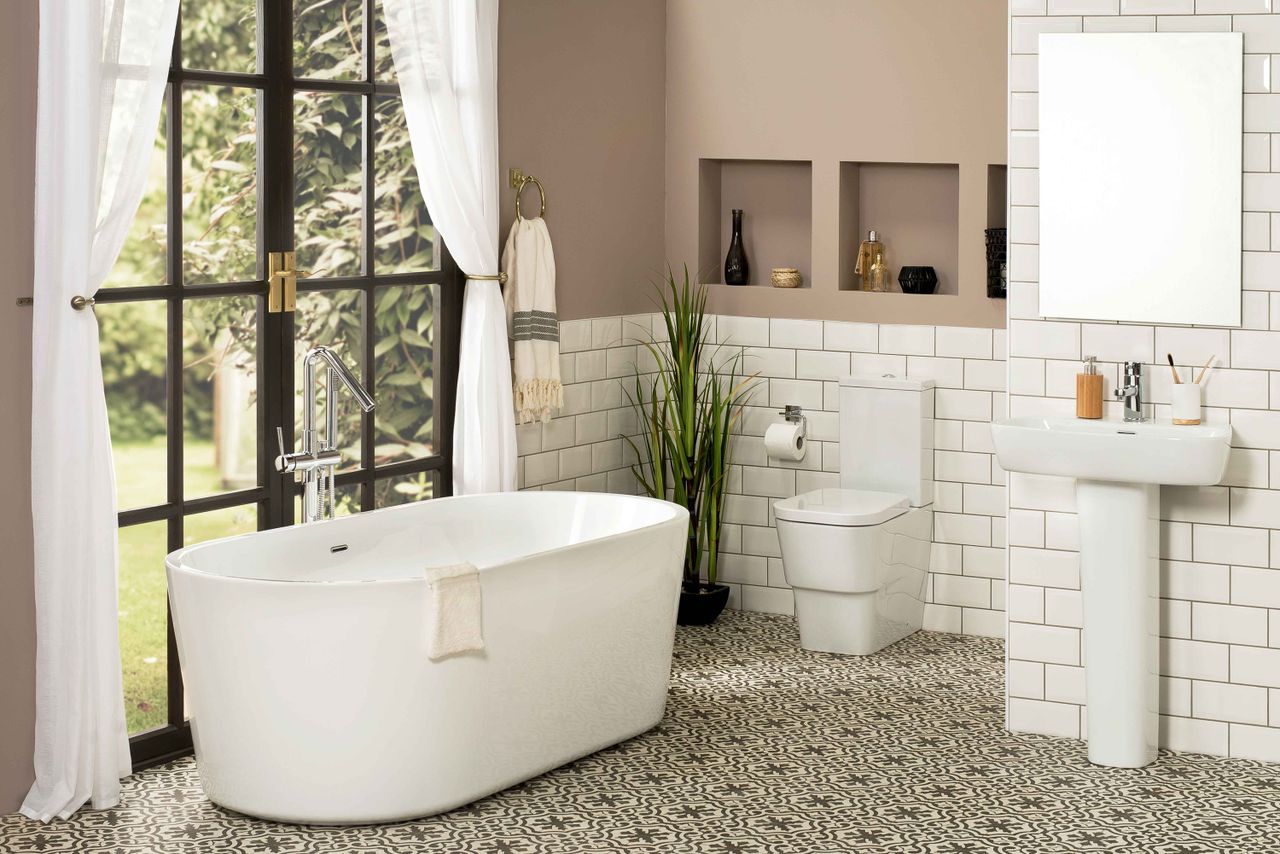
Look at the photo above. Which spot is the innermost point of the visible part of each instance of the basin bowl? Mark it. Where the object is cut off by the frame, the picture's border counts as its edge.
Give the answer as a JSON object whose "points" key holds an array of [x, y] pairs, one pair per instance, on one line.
{"points": [[1157, 452]]}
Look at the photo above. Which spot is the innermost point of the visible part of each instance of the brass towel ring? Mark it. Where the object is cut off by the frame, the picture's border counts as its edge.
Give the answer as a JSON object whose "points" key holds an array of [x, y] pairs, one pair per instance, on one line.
{"points": [[542, 195]]}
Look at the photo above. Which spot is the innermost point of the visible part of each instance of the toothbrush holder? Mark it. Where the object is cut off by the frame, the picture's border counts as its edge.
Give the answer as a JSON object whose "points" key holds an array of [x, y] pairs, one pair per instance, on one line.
{"points": [[1186, 403]]}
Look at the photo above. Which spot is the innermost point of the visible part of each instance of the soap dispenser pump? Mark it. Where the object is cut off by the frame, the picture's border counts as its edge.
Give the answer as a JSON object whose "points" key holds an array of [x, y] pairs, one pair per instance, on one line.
{"points": [[1089, 390]]}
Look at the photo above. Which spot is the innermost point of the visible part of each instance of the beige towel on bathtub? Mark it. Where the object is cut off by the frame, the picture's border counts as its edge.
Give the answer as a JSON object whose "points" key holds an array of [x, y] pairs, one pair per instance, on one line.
{"points": [[453, 610]]}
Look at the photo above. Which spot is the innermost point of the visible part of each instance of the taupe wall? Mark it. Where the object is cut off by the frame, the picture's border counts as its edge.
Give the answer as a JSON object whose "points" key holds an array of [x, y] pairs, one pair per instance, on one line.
{"points": [[831, 81], [17, 618], [581, 105]]}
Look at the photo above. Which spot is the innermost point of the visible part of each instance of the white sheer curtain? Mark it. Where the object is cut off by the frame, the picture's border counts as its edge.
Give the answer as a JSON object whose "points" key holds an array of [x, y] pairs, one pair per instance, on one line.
{"points": [[446, 58], [103, 65]]}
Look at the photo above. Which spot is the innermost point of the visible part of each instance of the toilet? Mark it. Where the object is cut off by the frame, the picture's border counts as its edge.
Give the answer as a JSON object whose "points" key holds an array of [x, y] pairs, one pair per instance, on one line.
{"points": [[857, 557]]}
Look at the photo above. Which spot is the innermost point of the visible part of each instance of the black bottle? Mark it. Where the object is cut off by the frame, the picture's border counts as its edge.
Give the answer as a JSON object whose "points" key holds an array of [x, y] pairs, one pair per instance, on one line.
{"points": [[736, 270]]}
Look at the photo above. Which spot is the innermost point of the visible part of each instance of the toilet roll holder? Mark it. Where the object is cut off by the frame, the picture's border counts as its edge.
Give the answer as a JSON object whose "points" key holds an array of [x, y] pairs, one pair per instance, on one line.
{"points": [[794, 415]]}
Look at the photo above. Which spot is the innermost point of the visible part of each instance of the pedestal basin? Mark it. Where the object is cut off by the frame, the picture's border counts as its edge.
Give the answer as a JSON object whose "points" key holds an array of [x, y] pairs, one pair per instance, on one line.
{"points": [[1119, 467]]}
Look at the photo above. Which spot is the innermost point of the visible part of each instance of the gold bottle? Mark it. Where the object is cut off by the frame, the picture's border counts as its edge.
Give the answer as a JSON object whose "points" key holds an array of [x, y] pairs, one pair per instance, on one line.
{"points": [[872, 268]]}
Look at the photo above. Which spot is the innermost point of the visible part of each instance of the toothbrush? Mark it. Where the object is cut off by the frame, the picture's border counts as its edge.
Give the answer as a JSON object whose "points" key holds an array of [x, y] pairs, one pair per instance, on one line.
{"points": [[1177, 379], [1205, 369]]}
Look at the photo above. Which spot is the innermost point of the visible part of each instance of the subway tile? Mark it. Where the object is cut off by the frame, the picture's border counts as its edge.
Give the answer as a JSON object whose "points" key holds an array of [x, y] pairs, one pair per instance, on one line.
{"points": [[961, 342], [948, 435], [767, 600], [821, 365], [606, 332], [946, 373], [1255, 742], [769, 482], [1197, 24], [1209, 504], [1024, 76], [1025, 32], [1023, 301], [977, 437], [1044, 567], [962, 467], [1254, 666], [1249, 468], [1175, 619], [1157, 7], [1024, 112], [1113, 342], [1228, 624], [1026, 603], [1175, 696], [1084, 7], [942, 618], [1194, 659], [1190, 735], [1252, 349], [575, 335], [1063, 607], [1024, 262], [948, 497], [962, 591], [1043, 718], [1257, 153], [962, 404], [1261, 32], [1044, 339], [1024, 186], [1255, 508], [803, 393], [1256, 229], [876, 363], [1026, 528], [1195, 581], [1027, 7], [981, 499], [769, 362], [1064, 683], [1120, 24], [984, 375], [905, 340], [962, 529], [853, 337], [1050, 644], [982, 622], [794, 333], [986, 561], [1025, 679], [1042, 492], [1255, 429], [742, 331], [1223, 544], [575, 462], [742, 569], [1260, 271]]}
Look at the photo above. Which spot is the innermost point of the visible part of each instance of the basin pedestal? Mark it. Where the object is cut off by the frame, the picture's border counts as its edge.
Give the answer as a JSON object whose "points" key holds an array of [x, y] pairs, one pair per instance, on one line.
{"points": [[1120, 582]]}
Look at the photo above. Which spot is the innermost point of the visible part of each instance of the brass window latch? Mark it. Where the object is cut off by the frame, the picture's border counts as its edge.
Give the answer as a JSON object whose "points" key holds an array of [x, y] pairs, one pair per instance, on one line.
{"points": [[282, 281]]}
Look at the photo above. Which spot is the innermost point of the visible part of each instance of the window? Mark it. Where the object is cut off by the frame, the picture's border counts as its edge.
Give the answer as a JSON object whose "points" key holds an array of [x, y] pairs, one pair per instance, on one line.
{"points": [[282, 131]]}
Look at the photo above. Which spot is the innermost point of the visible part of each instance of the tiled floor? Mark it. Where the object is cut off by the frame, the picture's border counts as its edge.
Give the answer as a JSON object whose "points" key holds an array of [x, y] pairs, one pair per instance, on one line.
{"points": [[766, 748]]}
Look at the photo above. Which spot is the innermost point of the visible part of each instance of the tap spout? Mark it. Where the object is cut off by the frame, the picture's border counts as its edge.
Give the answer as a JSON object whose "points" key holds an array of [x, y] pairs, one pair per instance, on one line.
{"points": [[339, 369]]}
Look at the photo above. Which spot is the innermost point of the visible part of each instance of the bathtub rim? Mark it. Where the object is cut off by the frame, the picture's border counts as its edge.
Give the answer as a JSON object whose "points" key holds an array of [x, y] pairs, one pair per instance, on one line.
{"points": [[174, 561]]}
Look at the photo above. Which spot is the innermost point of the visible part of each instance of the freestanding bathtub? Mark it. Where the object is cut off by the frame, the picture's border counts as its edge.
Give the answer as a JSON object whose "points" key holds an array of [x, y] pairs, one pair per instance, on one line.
{"points": [[312, 698]]}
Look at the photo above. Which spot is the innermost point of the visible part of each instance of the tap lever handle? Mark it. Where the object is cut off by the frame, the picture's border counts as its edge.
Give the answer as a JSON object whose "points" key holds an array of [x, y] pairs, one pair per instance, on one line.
{"points": [[284, 463]]}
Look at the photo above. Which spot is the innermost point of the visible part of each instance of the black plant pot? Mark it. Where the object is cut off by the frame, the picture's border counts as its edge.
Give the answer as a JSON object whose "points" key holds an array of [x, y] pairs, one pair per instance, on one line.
{"points": [[700, 604], [918, 280]]}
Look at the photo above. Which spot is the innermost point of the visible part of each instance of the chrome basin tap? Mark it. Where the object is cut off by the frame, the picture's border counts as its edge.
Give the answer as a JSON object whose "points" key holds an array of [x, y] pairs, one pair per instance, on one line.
{"points": [[1131, 392], [316, 463]]}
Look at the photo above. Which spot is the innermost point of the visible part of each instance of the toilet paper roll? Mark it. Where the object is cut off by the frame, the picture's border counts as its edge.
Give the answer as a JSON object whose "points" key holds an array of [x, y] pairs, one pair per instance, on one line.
{"points": [[785, 441]]}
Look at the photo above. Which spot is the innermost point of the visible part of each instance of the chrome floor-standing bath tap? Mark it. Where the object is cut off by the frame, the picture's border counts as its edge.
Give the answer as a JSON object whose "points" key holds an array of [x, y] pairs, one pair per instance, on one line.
{"points": [[319, 459]]}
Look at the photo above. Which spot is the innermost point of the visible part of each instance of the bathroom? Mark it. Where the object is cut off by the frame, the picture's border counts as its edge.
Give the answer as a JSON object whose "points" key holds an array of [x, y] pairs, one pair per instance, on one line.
{"points": [[894, 656]]}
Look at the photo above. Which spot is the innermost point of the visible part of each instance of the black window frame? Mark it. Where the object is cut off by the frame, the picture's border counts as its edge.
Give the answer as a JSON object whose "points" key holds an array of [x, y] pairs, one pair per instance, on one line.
{"points": [[274, 495]]}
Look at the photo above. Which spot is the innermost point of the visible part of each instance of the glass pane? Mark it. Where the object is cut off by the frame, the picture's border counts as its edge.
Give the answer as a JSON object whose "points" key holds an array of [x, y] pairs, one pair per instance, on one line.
{"points": [[384, 68], [144, 625], [327, 38], [144, 255], [220, 35], [328, 182], [348, 503], [404, 366], [201, 527], [404, 489], [219, 184], [336, 320], [404, 240], [220, 391], [133, 338]]}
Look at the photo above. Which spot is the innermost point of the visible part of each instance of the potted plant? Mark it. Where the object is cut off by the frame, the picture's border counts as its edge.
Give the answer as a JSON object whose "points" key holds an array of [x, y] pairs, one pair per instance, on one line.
{"points": [[687, 410]]}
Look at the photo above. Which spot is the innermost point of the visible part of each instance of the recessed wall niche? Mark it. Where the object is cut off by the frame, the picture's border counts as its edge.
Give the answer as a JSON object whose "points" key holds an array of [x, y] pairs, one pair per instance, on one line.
{"points": [[776, 197], [915, 207]]}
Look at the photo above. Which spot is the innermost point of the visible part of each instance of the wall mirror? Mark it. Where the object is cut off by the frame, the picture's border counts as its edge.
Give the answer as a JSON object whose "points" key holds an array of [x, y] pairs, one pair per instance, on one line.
{"points": [[1140, 177]]}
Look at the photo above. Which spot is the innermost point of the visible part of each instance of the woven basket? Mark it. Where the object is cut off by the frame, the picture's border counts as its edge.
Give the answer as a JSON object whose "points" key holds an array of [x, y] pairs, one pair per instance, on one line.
{"points": [[786, 277]]}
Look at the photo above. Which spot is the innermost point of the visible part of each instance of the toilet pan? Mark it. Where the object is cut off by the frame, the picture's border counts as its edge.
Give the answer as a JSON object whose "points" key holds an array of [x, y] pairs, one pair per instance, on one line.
{"points": [[858, 562]]}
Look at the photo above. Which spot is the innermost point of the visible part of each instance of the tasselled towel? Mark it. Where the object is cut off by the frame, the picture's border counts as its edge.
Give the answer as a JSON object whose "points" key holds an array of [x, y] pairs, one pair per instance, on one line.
{"points": [[530, 297]]}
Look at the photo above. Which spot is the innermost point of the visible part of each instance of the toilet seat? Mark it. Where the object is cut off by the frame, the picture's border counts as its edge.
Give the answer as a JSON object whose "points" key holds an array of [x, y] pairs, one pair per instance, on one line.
{"points": [[849, 508]]}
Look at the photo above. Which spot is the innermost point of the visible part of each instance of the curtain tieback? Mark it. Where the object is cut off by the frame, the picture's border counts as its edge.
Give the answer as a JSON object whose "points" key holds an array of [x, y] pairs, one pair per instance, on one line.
{"points": [[501, 278], [80, 303]]}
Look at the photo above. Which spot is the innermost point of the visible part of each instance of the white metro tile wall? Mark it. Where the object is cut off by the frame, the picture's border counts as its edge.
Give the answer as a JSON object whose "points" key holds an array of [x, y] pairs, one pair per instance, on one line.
{"points": [[1220, 568], [798, 362]]}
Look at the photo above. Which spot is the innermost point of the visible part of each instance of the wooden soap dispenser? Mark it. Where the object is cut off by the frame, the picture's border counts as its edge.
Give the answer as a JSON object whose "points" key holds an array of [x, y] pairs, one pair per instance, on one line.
{"points": [[1089, 390]]}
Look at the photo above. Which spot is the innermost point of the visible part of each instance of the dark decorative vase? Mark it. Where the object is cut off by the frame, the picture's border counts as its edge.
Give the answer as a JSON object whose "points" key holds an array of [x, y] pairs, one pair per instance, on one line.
{"points": [[736, 269], [700, 604], [918, 280], [997, 252]]}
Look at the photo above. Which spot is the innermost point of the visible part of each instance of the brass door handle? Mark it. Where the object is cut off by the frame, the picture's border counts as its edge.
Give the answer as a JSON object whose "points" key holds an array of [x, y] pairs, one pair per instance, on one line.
{"points": [[282, 281]]}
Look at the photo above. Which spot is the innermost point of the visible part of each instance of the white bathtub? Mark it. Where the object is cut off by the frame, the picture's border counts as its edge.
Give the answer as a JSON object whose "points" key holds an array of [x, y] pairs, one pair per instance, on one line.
{"points": [[311, 697]]}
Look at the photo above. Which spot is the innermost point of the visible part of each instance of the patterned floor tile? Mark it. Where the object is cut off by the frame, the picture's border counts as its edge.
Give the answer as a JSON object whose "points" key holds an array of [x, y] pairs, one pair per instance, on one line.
{"points": [[767, 749]]}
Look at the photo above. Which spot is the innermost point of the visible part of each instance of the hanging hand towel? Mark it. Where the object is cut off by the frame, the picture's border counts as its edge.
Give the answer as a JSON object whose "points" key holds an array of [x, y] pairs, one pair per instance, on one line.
{"points": [[454, 610], [531, 320]]}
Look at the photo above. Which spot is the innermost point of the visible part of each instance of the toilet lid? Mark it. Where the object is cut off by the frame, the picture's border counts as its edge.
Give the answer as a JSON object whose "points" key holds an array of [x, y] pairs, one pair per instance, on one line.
{"points": [[847, 507]]}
